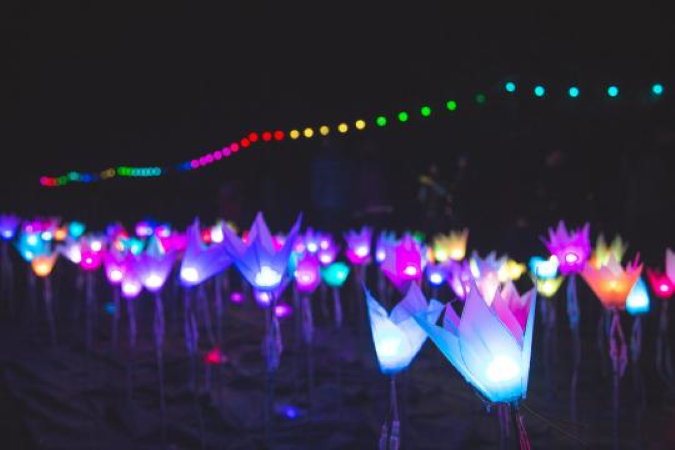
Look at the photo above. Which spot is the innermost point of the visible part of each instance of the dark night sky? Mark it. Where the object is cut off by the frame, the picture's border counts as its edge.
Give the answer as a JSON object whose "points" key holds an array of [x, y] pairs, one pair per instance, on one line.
{"points": [[86, 85]]}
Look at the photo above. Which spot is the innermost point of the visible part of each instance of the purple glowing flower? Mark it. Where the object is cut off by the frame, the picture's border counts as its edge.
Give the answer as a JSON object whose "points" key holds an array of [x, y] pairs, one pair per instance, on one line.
{"points": [[307, 275], [154, 265], [114, 266], [199, 261], [259, 262], [328, 250], [385, 241], [358, 246], [403, 264], [572, 248], [460, 278], [9, 223]]}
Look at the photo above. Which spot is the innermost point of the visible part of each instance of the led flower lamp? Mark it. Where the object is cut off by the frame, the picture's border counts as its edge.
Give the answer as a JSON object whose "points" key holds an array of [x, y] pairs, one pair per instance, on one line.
{"points": [[436, 274], [144, 229], [489, 345], [335, 275], [154, 266], [661, 285], [9, 223], [131, 285], [637, 302], [571, 248], [397, 336], [91, 259], [43, 265], [328, 250], [544, 268], [311, 240], [485, 272], [670, 264], [71, 251], [258, 261], [76, 229], [264, 298], [30, 245], [510, 271], [460, 278], [403, 264], [200, 262], [307, 276], [358, 246], [612, 283], [600, 256], [451, 246], [385, 241], [548, 287], [61, 233]]}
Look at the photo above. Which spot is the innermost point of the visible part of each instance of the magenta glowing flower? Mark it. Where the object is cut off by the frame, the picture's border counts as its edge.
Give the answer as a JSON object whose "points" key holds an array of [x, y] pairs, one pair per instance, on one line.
{"points": [[201, 262], [258, 260], [328, 250], [403, 264], [307, 273], [572, 248], [91, 254], [358, 246], [114, 266]]}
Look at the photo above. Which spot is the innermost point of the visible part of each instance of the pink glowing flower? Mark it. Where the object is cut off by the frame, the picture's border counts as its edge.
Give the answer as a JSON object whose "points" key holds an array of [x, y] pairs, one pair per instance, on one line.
{"points": [[662, 286], [403, 264], [307, 275], [571, 248], [358, 246]]}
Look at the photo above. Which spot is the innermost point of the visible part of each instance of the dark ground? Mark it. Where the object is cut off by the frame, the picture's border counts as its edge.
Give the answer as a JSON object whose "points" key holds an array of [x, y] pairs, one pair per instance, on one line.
{"points": [[60, 397]]}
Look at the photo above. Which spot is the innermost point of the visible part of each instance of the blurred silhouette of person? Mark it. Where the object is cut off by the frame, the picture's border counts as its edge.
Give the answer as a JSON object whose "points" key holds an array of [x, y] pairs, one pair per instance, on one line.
{"points": [[438, 197]]}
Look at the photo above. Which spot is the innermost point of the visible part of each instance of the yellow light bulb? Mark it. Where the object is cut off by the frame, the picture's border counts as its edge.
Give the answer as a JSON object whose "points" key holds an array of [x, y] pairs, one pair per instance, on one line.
{"points": [[308, 133], [324, 130], [343, 128], [360, 124], [294, 134]]}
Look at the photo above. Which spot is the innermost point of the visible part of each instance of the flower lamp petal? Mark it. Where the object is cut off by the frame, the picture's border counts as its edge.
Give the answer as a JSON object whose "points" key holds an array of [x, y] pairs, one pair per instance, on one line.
{"points": [[392, 346]]}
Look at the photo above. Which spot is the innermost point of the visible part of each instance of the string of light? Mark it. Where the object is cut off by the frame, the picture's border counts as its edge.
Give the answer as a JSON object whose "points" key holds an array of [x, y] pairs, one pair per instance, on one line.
{"points": [[510, 88]]}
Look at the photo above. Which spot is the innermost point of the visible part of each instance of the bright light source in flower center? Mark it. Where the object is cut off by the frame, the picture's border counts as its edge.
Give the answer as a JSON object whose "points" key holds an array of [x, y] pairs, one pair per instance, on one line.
{"points": [[267, 277], [389, 346], [154, 281], [115, 275], [411, 271], [502, 369], [571, 258], [436, 278], [361, 251], [189, 274], [312, 247], [663, 288]]}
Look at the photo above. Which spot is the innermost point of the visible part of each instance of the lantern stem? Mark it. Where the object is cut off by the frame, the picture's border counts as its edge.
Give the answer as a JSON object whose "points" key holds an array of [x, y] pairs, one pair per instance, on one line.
{"points": [[115, 322], [7, 278], [49, 309], [664, 363], [391, 440], [158, 329], [618, 353], [573, 316], [521, 432]]}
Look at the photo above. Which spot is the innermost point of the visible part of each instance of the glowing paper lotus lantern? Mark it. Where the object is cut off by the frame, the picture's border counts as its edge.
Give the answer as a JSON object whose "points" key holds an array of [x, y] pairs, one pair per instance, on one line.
{"points": [[612, 283], [602, 253], [154, 266], [670, 264], [397, 336], [662, 286], [76, 229], [485, 272], [451, 246], [436, 274], [114, 267], [549, 286], [489, 345], [71, 251], [328, 250], [335, 276], [43, 265], [258, 261], [200, 262], [91, 255], [307, 276], [460, 278], [544, 268], [571, 248], [9, 223], [358, 246], [637, 301], [511, 270], [385, 241], [30, 245], [403, 264], [311, 241]]}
